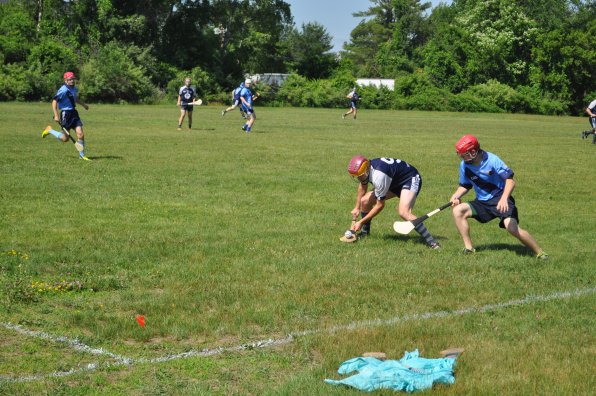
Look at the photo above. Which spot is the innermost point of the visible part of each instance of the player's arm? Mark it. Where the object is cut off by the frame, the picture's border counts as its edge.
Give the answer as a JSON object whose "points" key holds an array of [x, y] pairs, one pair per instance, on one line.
{"points": [[55, 109], [503, 205], [460, 192], [245, 102], [379, 205], [79, 101], [362, 189]]}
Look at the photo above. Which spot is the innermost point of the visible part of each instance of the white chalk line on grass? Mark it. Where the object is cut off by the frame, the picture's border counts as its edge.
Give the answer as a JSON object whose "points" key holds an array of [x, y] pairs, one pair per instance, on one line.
{"points": [[126, 361]]}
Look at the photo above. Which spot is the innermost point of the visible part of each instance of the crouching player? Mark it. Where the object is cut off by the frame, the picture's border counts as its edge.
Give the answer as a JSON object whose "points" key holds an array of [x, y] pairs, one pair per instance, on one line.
{"points": [[390, 178], [493, 184]]}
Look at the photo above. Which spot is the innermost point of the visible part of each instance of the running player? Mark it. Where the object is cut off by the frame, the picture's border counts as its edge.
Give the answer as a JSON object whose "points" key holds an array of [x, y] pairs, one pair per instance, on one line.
{"points": [[493, 184], [235, 101], [390, 178], [247, 98], [186, 94], [354, 98], [591, 112], [66, 114]]}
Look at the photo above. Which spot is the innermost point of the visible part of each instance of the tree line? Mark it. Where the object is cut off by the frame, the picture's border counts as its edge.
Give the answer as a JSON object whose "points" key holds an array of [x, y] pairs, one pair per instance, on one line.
{"points": [[530, 56]]}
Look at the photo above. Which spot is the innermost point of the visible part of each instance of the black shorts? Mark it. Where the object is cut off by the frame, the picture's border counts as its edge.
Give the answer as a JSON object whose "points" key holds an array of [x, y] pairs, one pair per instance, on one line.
{"points": [[70, 119], [485, 211], [185, 106]]}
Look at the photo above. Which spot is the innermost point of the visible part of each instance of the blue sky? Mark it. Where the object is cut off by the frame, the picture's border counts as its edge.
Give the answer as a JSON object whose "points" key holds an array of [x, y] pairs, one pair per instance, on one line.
{"points": [[334, 15]]}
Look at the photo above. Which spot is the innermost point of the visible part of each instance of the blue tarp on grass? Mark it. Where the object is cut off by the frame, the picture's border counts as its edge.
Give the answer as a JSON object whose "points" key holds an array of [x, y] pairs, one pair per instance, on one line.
{"points": [[410, 373]]}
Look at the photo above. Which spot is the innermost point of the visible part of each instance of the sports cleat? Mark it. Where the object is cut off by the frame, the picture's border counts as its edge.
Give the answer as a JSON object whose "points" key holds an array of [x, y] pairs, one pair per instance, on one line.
{"points": [[469, 251], [84, 158], [223, 113], [343, 116], [244, 128], [434, 245], [542, 256], [46, 131]]}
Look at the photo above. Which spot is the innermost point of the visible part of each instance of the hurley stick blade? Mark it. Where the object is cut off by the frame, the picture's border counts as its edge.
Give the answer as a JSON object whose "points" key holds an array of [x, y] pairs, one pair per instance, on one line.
{"points": [[78, 145], [405, 227]]}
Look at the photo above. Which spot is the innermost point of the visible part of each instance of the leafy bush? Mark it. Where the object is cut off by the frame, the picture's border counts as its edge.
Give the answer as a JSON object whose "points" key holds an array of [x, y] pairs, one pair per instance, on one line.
{"points": [[201, 80], [14, 82], [112, 75]]}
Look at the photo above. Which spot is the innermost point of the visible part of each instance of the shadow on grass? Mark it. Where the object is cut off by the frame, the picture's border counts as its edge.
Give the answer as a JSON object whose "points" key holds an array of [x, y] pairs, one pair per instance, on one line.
{"points": [[415, 238], [520, 250], [105, 157]]}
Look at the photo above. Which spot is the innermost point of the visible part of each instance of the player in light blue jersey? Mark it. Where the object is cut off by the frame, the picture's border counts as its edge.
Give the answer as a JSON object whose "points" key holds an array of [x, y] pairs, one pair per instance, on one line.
{"points": [[246, 100], [493, 184], [66, 114], [235, 101], [390, 177]]}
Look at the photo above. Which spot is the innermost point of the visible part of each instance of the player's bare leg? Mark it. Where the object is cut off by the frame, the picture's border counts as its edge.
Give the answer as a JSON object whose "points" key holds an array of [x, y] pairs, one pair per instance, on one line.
{"points": [[461, 214], [524, 236]]}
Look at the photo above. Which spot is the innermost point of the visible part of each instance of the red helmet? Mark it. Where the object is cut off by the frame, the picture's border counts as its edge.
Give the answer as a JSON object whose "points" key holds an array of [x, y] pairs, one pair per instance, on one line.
{"points": [[467, 144], [358, 166], [68, 75]]}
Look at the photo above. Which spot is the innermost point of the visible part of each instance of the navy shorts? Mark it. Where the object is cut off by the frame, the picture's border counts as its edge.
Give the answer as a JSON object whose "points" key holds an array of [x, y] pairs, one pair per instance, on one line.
{"points": [[414, 184], [593, 122], [184, 106], [485, 211], [70, 119], [250, 112]]}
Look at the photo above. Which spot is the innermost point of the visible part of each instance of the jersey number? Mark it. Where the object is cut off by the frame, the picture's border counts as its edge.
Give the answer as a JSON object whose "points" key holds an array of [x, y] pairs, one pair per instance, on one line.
{"points": [[390, 161]]}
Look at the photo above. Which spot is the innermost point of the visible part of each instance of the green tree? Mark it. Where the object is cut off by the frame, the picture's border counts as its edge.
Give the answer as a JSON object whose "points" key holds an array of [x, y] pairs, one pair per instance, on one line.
{"points": [[308, 51]]}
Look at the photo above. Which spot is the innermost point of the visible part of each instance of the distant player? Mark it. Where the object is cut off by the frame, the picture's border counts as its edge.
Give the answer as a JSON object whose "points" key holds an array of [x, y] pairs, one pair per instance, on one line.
{"points": [[247, 98], [235, 101], [390, 178], [493, 184], [66, 114], [186, 95], [591, 112], [354, 98]]}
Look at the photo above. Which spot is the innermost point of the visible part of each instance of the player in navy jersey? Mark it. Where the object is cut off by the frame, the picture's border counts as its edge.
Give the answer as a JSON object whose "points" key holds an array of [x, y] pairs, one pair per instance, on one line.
{"points": [[235, 101], [591, 112], [354, 98], [186, 95], [246, 99], [66, 114], [390, 178], [493, 184]]}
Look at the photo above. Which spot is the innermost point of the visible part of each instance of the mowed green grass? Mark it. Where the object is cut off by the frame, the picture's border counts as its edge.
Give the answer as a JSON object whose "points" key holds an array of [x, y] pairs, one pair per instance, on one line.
{"points": [[220, 238]]}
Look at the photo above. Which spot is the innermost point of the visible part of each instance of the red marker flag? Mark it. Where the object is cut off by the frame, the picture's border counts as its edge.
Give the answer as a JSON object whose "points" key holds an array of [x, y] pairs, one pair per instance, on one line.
{"points": [[141, 320]]}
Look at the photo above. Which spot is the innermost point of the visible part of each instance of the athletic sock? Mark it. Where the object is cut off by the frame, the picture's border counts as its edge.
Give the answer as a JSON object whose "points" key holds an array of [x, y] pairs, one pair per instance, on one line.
{"points": [[366, 226], [56, 134], [82, 143], [421, 229]]}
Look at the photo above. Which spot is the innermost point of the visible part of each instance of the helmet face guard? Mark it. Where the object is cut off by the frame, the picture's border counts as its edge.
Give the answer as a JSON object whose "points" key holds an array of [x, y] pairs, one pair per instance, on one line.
{"points": [[359, 168], [467, 148]]}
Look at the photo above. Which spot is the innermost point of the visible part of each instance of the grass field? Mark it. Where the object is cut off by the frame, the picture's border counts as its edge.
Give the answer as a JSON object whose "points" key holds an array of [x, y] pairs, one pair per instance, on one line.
{"points": [[228, 244]]}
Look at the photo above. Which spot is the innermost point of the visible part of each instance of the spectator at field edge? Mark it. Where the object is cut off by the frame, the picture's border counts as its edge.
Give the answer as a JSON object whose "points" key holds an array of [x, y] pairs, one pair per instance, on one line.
{"points": [[493, 184], [65, 101], [390, 178], [186, 95], [591, 111]]}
